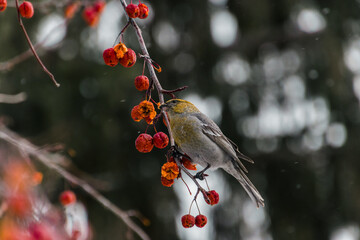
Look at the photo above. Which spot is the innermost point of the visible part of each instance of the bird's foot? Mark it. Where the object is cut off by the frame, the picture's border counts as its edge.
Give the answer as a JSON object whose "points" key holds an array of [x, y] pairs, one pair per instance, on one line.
{"points": [[201, 175]]}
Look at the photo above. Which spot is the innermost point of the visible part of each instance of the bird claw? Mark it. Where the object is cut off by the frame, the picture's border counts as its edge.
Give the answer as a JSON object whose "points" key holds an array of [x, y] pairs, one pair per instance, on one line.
{"points": [[200, 175]]}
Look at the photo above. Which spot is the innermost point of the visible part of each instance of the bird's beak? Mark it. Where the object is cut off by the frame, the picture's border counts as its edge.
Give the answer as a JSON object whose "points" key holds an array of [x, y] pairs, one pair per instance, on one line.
{"points": [[163, 106]]}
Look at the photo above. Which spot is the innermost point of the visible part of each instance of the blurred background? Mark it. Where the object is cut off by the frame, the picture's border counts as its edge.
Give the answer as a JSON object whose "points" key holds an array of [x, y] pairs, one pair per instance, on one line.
{"points": [[281, 79]]}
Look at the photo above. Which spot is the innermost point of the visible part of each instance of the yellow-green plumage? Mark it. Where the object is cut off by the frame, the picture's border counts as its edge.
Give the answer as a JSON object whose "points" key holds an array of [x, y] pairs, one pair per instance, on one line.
{"points": [[202, 140]]}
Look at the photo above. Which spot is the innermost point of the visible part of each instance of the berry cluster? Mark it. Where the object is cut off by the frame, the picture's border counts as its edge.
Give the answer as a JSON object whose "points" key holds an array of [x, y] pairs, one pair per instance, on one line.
{"points": [[188, 221], [22, 215], [119, 54], [26, 9], [91, 13], [137, 11]]}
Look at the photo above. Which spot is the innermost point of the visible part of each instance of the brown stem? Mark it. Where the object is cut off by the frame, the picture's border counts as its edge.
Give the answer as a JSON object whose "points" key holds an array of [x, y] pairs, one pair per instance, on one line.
{"points": [[47, 159], [32, 47], [9, 64]]}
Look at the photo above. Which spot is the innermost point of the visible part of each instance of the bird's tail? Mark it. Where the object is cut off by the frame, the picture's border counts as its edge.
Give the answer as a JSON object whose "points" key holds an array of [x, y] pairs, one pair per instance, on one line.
{"points": [[247, 185]]}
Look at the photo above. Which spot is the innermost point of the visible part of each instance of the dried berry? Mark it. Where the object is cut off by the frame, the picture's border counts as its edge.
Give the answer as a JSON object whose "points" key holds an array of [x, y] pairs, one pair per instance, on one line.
{"points": [[110, 58], [200, 220], [120, 50], [129, 58], [135, 114], [161, 140], [71, 9], [132, 10], [166, 182], [67, 197], [142, 82], [3, 5], [26, 9], [188, 164], [188, 221], [213, 197], [147, 110], [143, 11], [144, 143], [170, 170]]}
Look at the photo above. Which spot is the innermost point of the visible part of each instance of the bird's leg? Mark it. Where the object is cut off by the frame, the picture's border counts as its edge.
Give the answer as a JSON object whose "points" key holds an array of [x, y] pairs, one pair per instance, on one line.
{"points": [[200, 175]]}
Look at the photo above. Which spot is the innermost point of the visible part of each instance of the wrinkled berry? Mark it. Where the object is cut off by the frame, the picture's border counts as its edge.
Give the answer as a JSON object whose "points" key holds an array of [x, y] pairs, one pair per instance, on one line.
{"points": [[129, 58], [142, 82], [132, 10], [143, 11], [161, 140], [144, 143], [200, 220], [3, 5], [110, 58], [188, 221]]}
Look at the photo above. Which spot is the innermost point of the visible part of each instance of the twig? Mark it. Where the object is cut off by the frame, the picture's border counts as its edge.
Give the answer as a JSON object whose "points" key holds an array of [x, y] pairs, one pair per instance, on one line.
{"points": [[12, 99], [32, 47], [45, 158], [9, 64]]}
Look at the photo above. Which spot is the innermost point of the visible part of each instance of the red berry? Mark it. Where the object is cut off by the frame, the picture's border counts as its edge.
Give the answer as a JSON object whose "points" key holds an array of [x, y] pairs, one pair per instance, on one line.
{"points": [[132, 10], [136, 116], [90, 16], [67, 197], [200, 221], [141, 82], [26, 9], [99, 6], [129, 58], [110, 58], [161, 140], [213, 197], [188, 221], [144, 143], [3, 5], [143, 11]]}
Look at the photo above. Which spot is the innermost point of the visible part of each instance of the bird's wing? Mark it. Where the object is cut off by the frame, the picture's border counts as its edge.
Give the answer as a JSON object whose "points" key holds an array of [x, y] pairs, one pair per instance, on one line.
{"points": [[212, 131]]}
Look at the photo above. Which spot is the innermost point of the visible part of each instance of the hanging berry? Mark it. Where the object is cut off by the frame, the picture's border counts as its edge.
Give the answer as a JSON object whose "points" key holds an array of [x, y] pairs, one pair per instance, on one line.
{"points": [[161, 140], [144, 143], [129, 58], [110, 58], [142, 82], [26, 9], [3, 5], [200, 220], [143, 11], [188, 221], [132, 10]]}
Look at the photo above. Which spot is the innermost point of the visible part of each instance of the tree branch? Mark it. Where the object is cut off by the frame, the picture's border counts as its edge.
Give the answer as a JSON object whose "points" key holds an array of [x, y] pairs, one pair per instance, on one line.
{"points": [[32, 47], [46, 158]]}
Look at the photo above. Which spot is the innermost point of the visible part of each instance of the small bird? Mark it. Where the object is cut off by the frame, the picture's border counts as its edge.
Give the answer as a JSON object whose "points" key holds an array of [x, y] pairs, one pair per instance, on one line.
{"points": [[201, 139]]}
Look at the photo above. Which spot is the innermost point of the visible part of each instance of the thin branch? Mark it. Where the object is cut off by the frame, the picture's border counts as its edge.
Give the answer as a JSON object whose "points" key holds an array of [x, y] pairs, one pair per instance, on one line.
{"points": [[12, 99], [9, 64], [32, 47], [160, 91], [46, 158]]}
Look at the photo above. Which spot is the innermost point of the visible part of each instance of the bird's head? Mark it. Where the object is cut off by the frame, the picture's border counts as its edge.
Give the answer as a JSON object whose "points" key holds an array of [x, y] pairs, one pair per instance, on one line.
{"points": [[178, 106]]}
